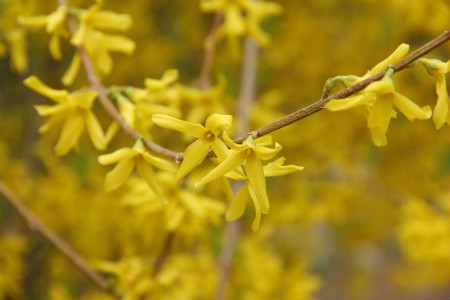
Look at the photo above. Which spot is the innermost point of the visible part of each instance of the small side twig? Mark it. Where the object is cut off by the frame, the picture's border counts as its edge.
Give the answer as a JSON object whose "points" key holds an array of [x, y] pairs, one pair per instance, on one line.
{"points": [[162, 257], [203, 80], [35, 224]]}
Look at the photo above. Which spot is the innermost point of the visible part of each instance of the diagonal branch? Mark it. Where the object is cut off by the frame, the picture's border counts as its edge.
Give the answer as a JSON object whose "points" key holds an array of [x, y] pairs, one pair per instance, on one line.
{"points": [[35, 224]]}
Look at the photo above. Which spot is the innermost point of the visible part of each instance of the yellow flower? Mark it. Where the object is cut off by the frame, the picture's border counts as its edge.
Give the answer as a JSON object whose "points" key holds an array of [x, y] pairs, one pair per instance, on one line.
{"points": [[242, 17], [239, 201], [438, 69], [381, 96], [127, 159], [73, 110], [251, 154], [54, 25], [208, 137], [98, 44]]}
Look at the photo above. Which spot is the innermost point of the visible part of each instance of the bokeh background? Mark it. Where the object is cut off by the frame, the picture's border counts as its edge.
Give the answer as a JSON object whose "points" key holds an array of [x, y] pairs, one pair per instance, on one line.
{"points": [[360, 222]]}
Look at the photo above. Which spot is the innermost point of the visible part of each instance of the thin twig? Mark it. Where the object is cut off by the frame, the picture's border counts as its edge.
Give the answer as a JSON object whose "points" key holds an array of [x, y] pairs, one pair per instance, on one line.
{"points": [[162, 257], [203, 80], [246, 97], [35, 224]]}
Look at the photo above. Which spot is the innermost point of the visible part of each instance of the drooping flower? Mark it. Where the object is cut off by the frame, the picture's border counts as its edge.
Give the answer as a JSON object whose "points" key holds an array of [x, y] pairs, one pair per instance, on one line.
{"points": [[246, 156], [54, 24], [381, 97], [239, 201], [73, 111], [208, 137], [129, 158], [98, 44], [438, 69]]}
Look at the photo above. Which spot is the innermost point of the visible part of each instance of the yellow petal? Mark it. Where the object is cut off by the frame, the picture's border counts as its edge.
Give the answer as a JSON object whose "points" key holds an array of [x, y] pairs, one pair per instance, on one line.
{"points": [[233, 161], [349, 102], [191, 202], [195, 130], [119, 174], [155, 85], [145, 170], [219, 148], [410, 109], [46, 110], [35, 21], [398, 54], [265, 140], [380, 114], [70, 134], [265, 153], [233, 145], [276, 168], [116, 156], [95, 131], [116, 43], [440, 113], [194, 155], [217, 123], [35, 84], [257, 220], [238, 203], [72, 71], [255, 175], [111, 21], [84, 99], [54, 120], [55, 47], [380, 87], [378, 137], [160, 163]]}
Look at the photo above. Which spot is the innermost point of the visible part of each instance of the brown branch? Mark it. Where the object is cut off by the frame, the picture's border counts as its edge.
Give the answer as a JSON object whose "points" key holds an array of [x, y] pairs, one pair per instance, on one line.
{"points": [[35, 224], [162, 257], [203, 80], [319, 105], [106, 101]]}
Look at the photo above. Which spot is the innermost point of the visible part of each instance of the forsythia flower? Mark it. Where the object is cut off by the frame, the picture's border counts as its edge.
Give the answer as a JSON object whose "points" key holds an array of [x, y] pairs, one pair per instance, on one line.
{"points": [[74, 111], [242, 17], [98, 44], [248, 157], [54, 25], [438, 69], [381, 96], [127, 159], [208, 137], [239, 201]]}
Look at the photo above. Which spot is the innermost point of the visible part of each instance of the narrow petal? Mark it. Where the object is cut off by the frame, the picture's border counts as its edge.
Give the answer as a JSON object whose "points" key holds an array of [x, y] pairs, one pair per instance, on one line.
{"points": [[265, 140], [119, 174], [111, 21], [194, 155], [158, 162], [145, 170], [116, 156], [257, 220], [398, 54], [440, 113], [55, 47], [277, 168], [238, 203], [265, 153], [69, 75], [349, 102], [233, 161], [70, 134], [95, 131], [220, 149], [410, 109], [380, 87], [233, 145], [46, 110], [378, 137], [195, 130], [54, 119], [380, 114], [38, 86], [217, 123], [255, 175]]}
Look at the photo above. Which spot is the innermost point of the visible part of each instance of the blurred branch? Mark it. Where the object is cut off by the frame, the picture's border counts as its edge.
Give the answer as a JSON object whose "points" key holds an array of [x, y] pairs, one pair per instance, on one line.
{"points": [[161, 259], [246, 97], [35, 224], [203, 80]]}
